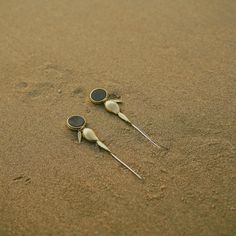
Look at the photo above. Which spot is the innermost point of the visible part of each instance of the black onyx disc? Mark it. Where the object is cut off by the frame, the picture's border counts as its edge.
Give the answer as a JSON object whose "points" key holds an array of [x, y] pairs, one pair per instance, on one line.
{"points": [[98, 95], [76, 122]]}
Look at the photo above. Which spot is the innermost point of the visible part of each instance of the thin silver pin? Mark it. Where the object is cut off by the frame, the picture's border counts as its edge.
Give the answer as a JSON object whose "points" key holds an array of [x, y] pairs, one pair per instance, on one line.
{"points": [[78, 123], [146, 136], [100, 95], [125, 165]]}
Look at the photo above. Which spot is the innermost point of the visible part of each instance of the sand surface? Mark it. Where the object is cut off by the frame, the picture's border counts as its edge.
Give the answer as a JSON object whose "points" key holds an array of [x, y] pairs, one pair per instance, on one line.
{"points": [[173, 63]]}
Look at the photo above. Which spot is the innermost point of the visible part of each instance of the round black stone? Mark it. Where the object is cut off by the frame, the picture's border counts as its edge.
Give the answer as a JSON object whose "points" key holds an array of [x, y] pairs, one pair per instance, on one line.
{"points": [[76, 122], [98, 95]]}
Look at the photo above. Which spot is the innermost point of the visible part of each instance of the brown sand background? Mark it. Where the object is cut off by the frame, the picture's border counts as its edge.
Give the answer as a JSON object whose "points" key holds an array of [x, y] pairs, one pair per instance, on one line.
{"points": [[172, 63]]}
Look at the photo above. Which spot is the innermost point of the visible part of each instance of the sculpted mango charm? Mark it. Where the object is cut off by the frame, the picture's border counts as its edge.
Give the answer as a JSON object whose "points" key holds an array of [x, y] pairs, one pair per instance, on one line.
{"points": [[78, 123], [100, 95]]}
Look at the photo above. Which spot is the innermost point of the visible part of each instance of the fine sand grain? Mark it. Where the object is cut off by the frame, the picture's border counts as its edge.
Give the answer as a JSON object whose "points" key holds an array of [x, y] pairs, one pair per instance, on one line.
{"points": [[173, 63]]}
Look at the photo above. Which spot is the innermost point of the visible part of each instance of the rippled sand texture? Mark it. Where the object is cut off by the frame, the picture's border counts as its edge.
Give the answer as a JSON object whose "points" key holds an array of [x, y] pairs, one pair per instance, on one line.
{"points": [[172, 63]]}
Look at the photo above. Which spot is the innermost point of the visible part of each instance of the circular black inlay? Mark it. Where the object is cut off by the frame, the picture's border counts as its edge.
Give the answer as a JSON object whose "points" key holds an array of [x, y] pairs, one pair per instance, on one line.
{"points": [[76, 122], [98, 95]]}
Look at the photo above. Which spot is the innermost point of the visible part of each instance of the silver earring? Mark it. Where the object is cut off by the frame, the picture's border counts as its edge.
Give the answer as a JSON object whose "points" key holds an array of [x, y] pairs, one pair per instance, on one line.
{"points": [[79, 123], [100, 95]]}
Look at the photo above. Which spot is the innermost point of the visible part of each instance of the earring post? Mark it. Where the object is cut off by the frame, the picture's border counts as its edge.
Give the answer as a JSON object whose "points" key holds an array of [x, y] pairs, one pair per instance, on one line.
{"points": [[146, 136], [121, 162]]}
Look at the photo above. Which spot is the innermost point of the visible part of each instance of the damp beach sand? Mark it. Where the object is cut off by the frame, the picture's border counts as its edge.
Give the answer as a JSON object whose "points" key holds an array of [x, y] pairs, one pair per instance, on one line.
{"points": [[173, 64]]}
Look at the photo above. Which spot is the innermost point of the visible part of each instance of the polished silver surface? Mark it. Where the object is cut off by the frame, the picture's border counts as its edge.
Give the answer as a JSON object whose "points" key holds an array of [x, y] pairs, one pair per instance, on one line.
{"points": [[112, 106], [90, 135]]}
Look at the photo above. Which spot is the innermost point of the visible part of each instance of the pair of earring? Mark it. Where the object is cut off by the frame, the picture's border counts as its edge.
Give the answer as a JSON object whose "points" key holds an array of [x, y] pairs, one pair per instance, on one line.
{"points": [[99, 96]]}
